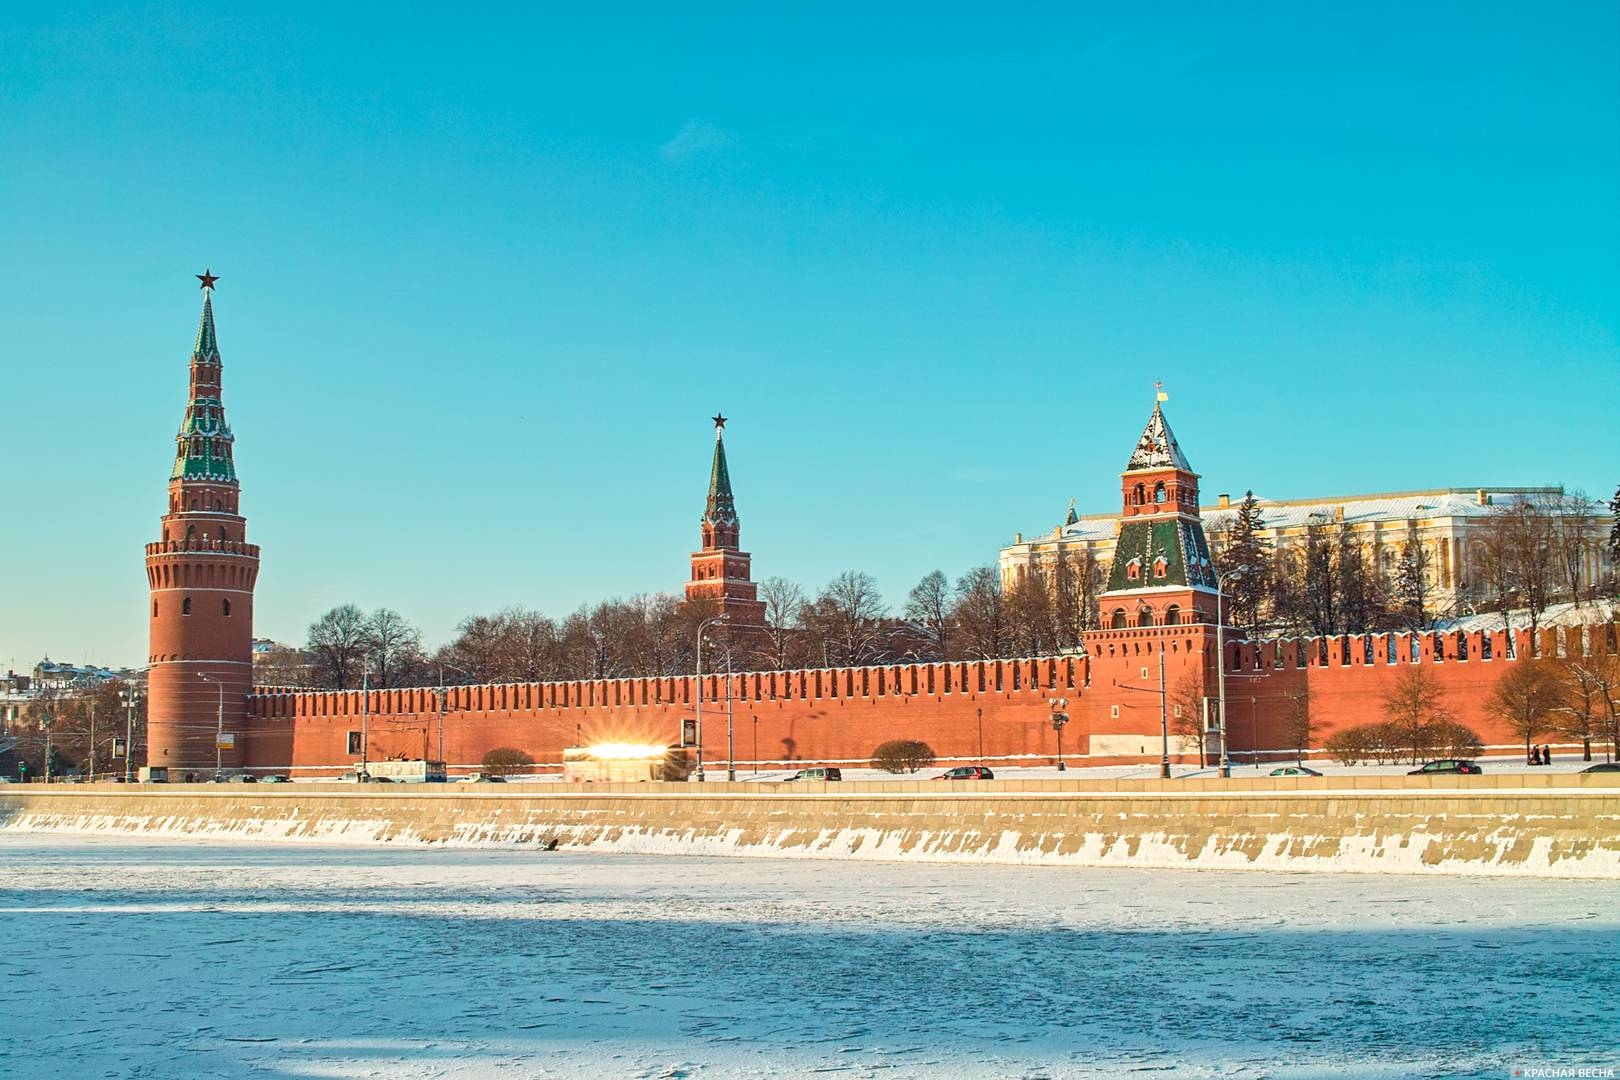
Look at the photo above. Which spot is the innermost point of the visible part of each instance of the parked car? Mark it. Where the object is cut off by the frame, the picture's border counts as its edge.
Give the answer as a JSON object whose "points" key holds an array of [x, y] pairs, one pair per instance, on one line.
{"points": [[242, 778], [818, 774], [482, 778], [1294, 770], [967, 772], [1603, 766], [1447, 765], [274, 779]]}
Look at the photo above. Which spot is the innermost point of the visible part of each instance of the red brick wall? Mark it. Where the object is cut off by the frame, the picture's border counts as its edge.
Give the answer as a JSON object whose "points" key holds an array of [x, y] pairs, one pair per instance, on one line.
{"points": [[840, 715]]}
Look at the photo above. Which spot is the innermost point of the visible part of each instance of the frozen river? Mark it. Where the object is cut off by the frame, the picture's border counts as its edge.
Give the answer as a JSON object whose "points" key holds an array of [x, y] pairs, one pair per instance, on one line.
{"points": [[140, 959]]}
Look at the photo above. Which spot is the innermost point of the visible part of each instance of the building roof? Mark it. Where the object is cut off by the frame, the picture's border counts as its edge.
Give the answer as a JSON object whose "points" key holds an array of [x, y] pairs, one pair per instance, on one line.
{"points": [[1358, 509], [1157, 448]]}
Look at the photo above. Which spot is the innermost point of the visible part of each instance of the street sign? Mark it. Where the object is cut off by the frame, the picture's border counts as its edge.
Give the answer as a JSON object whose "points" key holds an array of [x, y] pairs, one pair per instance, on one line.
{"points": [[688, 732], [119, 749], [226, 740]]}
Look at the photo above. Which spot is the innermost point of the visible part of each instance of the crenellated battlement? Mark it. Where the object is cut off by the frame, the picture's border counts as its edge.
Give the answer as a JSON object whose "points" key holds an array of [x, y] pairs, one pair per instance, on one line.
{"points": [[1033, 677], [195, 546], [1426, 647]]}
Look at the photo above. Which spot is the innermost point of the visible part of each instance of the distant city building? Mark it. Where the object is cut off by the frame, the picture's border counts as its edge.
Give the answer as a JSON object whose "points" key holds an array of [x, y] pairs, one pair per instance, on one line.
{"points": [[50, 675]]}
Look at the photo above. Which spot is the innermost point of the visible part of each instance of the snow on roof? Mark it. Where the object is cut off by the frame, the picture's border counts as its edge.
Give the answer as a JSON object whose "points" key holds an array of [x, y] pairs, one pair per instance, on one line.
{"points": [[1157, 448], [1358, 509], [1565, 614]]}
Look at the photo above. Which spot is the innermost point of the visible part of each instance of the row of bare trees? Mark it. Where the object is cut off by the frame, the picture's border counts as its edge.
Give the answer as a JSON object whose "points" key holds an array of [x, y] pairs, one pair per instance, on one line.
{"points": [[845, 623], [74, 729], [1531, 553], [1570, 699]]}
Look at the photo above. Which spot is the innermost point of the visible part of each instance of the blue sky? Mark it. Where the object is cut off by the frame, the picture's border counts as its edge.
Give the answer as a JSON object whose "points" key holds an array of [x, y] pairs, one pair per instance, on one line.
{"points": [[486, 272]]}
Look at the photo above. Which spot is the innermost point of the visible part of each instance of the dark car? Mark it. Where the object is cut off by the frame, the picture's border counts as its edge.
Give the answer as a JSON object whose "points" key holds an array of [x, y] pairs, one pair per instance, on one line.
{"points": [[967, 772], [1447, 765], [1294, 770], [1603, 766], [818, 774]]}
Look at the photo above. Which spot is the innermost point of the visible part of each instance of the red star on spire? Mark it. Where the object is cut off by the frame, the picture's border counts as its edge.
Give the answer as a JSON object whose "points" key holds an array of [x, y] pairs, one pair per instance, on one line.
{"points": [[719, 421], [207, 277]]}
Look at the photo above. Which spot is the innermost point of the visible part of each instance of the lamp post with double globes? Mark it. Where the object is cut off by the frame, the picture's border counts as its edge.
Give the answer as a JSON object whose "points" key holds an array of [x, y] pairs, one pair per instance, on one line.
{"points": [[1060, 718], [702, 628]]}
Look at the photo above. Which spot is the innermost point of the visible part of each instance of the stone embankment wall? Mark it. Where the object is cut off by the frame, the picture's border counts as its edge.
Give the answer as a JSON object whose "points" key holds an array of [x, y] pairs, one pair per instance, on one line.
{"points": [[1560, 826]]}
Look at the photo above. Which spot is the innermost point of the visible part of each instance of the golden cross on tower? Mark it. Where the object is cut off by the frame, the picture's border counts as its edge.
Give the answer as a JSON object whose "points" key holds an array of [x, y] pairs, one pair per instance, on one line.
{"points": [[1158, 391]]}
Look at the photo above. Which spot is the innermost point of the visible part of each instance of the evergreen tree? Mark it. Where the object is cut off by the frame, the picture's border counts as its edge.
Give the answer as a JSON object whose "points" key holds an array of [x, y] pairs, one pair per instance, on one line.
{"points": [[1614, 531], [1244, 562], [1412, 581]]}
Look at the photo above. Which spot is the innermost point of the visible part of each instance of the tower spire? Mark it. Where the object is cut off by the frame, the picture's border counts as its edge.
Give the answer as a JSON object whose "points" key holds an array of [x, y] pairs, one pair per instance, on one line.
{"points": [[721, 509]]}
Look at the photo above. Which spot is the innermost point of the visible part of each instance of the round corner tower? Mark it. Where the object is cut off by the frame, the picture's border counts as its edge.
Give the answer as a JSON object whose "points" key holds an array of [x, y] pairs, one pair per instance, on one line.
{"points": [[200, 575]]}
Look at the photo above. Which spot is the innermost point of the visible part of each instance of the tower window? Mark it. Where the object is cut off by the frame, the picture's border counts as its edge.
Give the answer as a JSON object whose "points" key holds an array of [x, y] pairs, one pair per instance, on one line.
{"points": [[185, 606], [154, 609], [1137, 494], [1158, 492], [227, 606]]}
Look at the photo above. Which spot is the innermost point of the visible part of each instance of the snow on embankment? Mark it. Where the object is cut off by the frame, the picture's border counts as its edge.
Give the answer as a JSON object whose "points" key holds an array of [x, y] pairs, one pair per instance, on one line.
{"points": [[1562, 826]]}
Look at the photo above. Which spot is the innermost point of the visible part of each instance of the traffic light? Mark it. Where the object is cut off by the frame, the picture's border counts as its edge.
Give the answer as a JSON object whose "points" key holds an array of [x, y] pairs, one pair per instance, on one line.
{"points": [[22, 771]]}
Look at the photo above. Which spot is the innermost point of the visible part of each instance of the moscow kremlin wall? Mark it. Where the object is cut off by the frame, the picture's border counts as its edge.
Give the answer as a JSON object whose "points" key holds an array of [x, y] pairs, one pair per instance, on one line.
{"points": [[1160, 599]]}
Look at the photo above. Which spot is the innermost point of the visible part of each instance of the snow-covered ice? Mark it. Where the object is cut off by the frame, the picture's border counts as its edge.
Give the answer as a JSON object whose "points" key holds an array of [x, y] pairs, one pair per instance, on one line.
{"points": [[158, 959]]}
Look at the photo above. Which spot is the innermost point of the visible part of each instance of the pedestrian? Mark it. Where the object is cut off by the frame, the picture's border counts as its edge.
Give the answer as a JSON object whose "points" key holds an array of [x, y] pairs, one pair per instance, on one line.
{"points": [[1546, 754]]}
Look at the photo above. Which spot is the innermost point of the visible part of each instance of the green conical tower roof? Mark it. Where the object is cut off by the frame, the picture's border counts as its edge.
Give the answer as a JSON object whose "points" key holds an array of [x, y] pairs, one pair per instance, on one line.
{"points": [[721, 508], [207, 348], [203, 444]]}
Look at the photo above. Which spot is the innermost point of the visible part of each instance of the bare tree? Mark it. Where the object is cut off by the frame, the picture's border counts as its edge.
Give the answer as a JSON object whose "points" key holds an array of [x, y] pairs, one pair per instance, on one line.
{"points": [[1525, 697], [337, 642], [1297, 720], [1414, 703], [475, 653], [1187, 709], [1520, 551], [1076, 584], [1580, 711], [981, 613], [1031, 616], [393, 649], [1570, 540], [929, 607], [525, 646], [843, 622], [784, 608]]}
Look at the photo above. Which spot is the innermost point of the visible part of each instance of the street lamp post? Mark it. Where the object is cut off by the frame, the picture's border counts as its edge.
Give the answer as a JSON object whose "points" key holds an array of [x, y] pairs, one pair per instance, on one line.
{"points": [[219, 733], [365, 716], [1220, 670], [129, 698], [1060, 717], [731, 758], [444, 696], [702, 627], [980, 711]]}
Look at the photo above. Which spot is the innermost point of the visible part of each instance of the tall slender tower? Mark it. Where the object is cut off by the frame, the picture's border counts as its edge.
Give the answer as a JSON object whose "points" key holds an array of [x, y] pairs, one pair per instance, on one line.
{"points": [[201, 576], [1161, 571], [720, 571]]}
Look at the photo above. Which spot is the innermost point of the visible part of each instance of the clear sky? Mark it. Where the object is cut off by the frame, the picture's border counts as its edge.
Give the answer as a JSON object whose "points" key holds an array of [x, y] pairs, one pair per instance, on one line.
{"points": [[487, 271]]}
